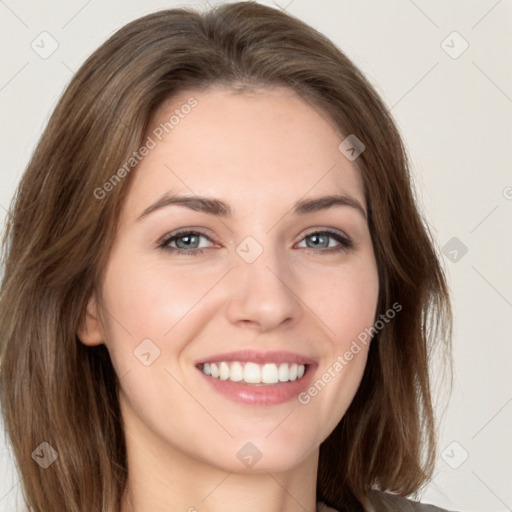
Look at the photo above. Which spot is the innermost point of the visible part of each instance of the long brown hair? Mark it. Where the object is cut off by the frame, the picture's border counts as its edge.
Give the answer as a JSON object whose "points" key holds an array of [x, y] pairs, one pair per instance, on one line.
{"points": [[59, 233]]}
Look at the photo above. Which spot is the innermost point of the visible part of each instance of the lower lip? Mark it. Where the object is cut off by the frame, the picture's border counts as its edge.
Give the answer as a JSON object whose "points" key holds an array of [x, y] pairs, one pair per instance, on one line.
{"points": [[261, 394]]}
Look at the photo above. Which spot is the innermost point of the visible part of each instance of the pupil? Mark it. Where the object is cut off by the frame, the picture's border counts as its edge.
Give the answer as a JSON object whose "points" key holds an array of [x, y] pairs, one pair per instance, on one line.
{"points": [[188, 237], [317, 238]]}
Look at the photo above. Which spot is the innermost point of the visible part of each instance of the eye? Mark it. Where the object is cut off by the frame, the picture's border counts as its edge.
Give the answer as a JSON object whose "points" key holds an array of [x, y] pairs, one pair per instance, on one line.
{"points": [[187, 242], [320, 239]]}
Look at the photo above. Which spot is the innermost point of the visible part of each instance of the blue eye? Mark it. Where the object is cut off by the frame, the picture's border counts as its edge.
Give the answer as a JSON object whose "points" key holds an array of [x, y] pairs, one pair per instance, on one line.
{"points": [[321, 239], [187, 242]]}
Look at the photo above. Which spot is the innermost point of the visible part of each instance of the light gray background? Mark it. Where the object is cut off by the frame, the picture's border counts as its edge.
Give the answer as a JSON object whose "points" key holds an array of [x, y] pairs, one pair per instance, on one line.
{"points": [[455, 115]]}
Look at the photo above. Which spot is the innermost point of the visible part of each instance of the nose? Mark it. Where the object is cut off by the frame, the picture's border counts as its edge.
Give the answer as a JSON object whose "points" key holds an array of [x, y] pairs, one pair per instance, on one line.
{"points": [[264, 293]]}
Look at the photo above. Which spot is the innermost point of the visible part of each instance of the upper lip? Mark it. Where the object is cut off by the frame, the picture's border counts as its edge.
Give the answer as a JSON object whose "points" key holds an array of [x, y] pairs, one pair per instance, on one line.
{"points": [[258, 356]]}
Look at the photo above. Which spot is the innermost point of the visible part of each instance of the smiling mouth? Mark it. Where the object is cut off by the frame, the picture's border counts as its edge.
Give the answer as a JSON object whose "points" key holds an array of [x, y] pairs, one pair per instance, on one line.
{"points": [[254, 373]]}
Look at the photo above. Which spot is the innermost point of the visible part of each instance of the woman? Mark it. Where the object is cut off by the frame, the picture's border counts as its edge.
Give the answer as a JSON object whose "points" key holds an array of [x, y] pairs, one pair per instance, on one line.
{"points": [[219, 292]]}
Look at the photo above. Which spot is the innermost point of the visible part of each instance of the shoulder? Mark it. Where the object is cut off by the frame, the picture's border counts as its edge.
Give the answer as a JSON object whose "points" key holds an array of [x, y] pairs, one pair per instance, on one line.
{"points": [[386, 502]]}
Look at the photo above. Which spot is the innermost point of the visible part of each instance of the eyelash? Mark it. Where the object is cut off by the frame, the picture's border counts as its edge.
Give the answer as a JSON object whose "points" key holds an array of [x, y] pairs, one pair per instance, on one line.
{"points": [[346, 243]]}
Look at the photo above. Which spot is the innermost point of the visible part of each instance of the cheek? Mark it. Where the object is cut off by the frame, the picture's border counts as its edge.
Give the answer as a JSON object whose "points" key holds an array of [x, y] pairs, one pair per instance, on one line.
{"points": [[344, 300], [149, 300], [346, 308]]}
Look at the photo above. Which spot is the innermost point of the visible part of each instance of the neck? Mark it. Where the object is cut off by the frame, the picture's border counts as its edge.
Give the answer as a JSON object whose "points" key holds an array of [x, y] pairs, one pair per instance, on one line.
{"points": [[163, 478]]}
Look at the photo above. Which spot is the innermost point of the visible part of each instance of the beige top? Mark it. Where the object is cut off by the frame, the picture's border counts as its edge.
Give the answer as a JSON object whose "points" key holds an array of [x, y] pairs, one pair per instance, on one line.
{"points": [[385, 502]]}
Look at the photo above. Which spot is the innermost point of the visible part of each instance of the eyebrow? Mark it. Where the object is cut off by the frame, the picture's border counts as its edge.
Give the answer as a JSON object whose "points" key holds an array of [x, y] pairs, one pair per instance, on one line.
{"points": [[220, 208]]}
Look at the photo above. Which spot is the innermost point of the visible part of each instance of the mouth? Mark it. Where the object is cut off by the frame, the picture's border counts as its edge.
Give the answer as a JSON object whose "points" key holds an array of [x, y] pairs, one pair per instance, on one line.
{"points": [[258, 378], [254, 373]]}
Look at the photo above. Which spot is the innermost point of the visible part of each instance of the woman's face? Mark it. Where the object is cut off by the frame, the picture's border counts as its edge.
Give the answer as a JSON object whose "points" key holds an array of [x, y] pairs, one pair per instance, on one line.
{"points": [[262, 291]]}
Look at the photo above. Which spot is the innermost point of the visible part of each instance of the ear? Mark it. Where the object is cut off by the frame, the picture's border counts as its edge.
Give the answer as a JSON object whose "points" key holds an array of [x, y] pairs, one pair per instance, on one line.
{"points": [[91, 332]]}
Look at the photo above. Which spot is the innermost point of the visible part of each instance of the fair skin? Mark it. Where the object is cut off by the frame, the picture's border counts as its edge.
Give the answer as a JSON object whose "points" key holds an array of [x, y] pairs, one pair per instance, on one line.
{"points": [[260, 153]]}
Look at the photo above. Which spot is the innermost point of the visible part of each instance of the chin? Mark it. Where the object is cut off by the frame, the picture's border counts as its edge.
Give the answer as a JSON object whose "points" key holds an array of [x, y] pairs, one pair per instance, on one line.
{"points": [[261, 455]]}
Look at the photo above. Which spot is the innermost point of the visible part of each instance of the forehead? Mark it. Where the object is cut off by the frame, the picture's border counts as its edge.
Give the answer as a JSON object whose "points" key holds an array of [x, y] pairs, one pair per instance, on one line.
{"points": [[257, 148]]}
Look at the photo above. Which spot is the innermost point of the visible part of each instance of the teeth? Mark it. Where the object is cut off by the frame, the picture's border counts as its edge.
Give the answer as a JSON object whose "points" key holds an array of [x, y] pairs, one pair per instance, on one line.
{"points": [[253, 373], [236, 372], [214, 371], [269, 374], [224, 371]]}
